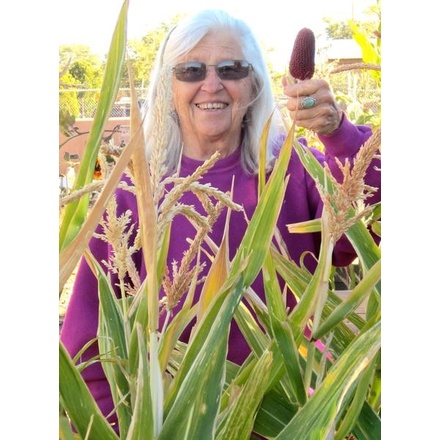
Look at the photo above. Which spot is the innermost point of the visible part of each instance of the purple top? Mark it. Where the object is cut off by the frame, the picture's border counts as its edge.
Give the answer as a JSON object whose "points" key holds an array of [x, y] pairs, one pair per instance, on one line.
{"points": [[302, 202]]}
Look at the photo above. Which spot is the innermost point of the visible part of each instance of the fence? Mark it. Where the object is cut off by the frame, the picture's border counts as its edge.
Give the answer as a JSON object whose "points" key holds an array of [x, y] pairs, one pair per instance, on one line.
{"points": [[82, 103]]}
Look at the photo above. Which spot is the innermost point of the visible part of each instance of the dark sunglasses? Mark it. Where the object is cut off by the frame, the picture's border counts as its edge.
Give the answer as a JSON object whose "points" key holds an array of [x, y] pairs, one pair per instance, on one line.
{"points": [[194, 71]]}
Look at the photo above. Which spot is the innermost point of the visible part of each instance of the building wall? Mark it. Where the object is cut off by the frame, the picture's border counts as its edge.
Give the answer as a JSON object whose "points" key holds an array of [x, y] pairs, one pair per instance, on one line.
{"points": [[75, 145]]}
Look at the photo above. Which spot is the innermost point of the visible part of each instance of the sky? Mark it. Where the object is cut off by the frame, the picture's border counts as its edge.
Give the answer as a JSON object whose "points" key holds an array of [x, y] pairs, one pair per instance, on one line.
{"points": [[275, 22]]}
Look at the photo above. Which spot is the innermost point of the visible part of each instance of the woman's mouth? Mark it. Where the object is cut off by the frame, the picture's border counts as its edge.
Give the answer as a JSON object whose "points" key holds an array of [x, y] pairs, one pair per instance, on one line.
{"points": [[212, 106]]}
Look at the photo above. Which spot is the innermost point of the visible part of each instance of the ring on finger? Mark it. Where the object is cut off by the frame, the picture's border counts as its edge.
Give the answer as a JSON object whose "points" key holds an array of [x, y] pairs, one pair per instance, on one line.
{"points": [[307, 102]]}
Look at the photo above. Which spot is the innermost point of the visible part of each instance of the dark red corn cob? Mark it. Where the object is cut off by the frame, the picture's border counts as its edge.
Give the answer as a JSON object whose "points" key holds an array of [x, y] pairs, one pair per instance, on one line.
{"points": [[302, 60]]}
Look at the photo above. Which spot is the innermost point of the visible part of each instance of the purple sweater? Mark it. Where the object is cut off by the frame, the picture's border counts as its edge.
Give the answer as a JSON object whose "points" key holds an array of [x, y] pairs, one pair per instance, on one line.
{"points": [[302, 202]]}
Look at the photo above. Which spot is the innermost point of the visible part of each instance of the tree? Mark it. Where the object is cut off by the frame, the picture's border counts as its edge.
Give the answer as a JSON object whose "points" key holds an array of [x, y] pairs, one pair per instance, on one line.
{"points": [[142, 52], [85, 68], [337, 30], [341, 30], [79, 69]]}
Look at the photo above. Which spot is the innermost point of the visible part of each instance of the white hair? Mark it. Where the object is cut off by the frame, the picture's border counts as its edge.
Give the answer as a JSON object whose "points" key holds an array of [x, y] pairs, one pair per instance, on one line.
{"points": [[179, 41]]}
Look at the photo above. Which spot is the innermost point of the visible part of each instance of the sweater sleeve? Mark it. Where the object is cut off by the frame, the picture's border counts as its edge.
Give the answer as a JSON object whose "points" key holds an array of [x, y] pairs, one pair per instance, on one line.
{"points": [[346, 140]]}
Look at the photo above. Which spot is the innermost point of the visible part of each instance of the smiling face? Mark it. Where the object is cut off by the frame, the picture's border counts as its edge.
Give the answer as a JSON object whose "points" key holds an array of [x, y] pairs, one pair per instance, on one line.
{"points": [[211, 110]]}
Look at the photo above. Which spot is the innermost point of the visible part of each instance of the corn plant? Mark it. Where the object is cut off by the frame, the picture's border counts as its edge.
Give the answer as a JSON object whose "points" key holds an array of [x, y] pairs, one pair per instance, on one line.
{"points": [[291, 386]]}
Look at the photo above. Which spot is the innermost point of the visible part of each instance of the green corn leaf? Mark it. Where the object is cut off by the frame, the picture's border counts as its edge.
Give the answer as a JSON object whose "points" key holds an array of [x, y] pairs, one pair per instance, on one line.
{"points": [[334, 300], [236, 378], [195, 393], [65, 430], [274, 414], [358, 294], [218, 271], [156, 384], [79, 403], [306, 227], [376, 227], [141, 318], [316, 419], [153, 384], [77, 227], [355, 408], [237, 424], [142, 423], [286, 343], [173, 331], [259, 340], [250, 329], [263, 153], [368, 426], [374, 397], [367, 250], [215, 323], [112, 342], [112, 317], [76, 212], [281, 331], [298, 279], [311, 301], [274, 297]]}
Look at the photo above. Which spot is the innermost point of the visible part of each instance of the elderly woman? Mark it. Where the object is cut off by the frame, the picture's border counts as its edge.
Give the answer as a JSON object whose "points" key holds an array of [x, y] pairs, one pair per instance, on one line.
{"points": [[221, 100]]}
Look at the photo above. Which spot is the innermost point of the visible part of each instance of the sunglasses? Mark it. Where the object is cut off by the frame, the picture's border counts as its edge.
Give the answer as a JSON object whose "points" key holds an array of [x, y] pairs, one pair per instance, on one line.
{"points": [[194, 71]]}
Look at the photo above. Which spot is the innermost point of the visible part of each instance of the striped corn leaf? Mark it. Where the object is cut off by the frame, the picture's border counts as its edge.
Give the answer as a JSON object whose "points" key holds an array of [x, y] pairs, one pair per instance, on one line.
{"points": [[81, 407], [358, 294], [112, 344], [75, 214], [194, 394], [317, 417], [142, 426], [354, 409], [76, 211], [239, 420]]}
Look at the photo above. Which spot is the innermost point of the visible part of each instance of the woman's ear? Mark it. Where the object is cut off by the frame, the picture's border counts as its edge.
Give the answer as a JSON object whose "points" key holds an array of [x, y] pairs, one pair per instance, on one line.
{"points": [[247, 118], [175, 116]]}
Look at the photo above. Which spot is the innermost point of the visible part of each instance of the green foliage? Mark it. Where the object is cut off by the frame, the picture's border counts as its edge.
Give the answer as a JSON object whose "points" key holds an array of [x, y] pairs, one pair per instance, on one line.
{"points": [[358, 112], [142, 52], [79, 69], [69, 110], [337, 30]]}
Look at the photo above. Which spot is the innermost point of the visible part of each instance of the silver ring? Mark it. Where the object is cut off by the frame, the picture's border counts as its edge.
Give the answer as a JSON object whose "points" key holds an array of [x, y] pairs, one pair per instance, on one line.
{"points": [[307, 102]]}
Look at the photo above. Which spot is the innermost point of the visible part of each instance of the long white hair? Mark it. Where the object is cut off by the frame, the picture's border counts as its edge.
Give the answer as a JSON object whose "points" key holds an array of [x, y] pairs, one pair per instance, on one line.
{"points": [[180, 40]]}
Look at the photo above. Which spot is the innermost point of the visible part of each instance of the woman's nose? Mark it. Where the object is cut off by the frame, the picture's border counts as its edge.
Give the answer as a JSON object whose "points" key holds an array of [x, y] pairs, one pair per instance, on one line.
{"points": [[212, 82]]}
